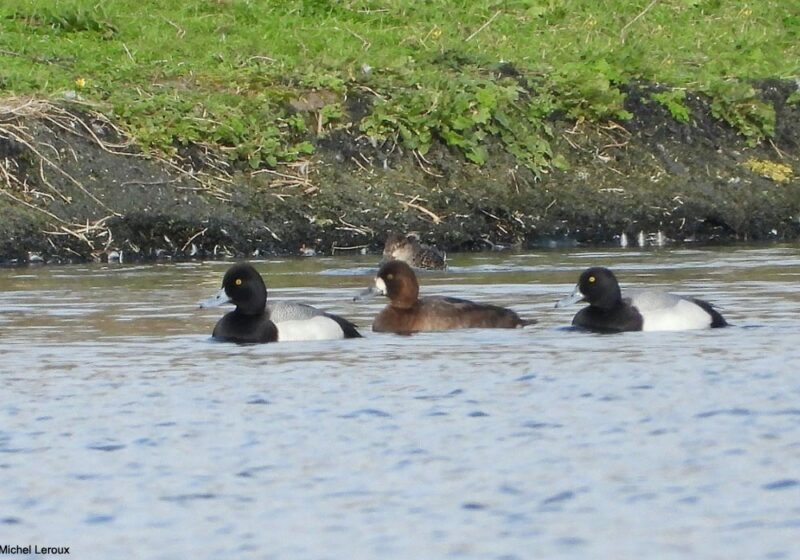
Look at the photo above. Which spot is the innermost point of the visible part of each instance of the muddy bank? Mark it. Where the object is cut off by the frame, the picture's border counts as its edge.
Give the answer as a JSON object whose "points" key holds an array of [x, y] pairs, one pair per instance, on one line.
{"points": [[74, 188]]}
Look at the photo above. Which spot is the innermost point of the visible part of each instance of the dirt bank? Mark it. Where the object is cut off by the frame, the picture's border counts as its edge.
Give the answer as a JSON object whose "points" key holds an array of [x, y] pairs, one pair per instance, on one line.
{"points": [[74, 188]]}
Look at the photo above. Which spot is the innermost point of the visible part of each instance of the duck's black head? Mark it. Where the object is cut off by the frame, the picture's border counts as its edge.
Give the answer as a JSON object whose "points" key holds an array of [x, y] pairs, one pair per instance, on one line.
{"points": [[243, 287], [597, 286]]}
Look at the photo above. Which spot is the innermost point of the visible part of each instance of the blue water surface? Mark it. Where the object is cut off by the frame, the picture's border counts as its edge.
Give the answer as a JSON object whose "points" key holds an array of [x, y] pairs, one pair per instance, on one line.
{"points": [[124, 431]]}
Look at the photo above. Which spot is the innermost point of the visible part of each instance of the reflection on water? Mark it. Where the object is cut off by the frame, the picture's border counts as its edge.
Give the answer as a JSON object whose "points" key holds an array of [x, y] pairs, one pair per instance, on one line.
{"points": [[122, 426]]}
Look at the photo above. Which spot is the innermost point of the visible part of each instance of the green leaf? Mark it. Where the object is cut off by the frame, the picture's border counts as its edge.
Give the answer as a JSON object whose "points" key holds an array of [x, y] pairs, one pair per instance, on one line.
{"points": [[304, 147], [452, 138], [486, 98], [461, 122], [477, 154], [481, 116]]}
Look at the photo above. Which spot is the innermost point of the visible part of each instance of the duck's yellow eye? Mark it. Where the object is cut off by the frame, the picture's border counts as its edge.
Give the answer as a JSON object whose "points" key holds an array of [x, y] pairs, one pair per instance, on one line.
{"points": [[238, 281], [390, 276], [592, 279]]}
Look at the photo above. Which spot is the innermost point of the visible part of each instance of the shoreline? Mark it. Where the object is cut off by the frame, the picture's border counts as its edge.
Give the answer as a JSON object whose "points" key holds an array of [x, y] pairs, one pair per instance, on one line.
{"points": [[75, 189]]}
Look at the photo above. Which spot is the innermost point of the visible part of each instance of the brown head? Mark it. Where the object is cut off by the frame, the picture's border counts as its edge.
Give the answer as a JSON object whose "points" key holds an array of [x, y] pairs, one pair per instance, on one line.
{"points": [[397, 281]]}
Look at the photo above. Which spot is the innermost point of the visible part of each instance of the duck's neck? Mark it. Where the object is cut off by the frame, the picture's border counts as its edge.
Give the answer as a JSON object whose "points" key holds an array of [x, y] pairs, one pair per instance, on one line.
{"points": [[255, 304], [610, 299], [408, 294], [404, 303]]}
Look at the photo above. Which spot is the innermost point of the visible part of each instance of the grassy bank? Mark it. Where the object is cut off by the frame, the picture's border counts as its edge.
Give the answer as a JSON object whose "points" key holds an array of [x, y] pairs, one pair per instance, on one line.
{"points": [[263, 81], [218, 127]]}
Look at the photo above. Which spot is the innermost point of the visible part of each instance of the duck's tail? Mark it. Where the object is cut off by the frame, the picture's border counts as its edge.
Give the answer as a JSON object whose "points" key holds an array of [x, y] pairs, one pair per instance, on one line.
{"points": [[349, 330]]}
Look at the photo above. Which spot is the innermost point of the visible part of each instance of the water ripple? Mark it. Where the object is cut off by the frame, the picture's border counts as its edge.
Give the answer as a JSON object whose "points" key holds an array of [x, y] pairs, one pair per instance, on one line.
{"points": [[120, 422]]}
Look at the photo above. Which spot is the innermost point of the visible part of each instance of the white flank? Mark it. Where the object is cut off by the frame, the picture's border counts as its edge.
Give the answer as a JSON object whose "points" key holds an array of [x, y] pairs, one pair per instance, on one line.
{"points": [[315, 328], [683, 315]]}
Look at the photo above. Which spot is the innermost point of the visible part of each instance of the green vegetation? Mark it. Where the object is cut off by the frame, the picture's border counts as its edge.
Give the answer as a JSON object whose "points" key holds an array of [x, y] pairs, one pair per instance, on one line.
{"points": [[229, 73], [736, 103], [463, 112], [674, 102]]}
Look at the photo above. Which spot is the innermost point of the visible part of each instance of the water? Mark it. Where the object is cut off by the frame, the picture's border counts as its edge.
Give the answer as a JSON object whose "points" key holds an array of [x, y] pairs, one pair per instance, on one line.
{"points": [[124, 429]]}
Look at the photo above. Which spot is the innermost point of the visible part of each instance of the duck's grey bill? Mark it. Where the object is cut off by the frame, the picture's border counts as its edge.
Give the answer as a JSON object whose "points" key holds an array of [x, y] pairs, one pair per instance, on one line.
{"points": [[574, 297], [369, 293], [220, 298]]}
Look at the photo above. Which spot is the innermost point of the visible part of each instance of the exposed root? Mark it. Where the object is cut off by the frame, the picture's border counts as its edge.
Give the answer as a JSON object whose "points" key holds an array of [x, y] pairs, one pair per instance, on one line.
{"points": [[360, 230], [192, 238], [34, 164], [296, 175], [413, 204], [422, 161], [14, 181], [14, 109], [341, 248]]}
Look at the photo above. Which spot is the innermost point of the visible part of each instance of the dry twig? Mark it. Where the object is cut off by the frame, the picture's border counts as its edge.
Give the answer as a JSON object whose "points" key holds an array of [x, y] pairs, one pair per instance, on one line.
{"points": [[484, 26], [641, 14], [413, 204], [192, 238]]}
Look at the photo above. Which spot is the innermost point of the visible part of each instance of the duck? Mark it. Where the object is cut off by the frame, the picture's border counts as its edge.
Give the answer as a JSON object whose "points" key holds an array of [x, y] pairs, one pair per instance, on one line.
{"points": [[638, 310], [255, 321], [307, 251], [408, 313], [408, 248]]}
